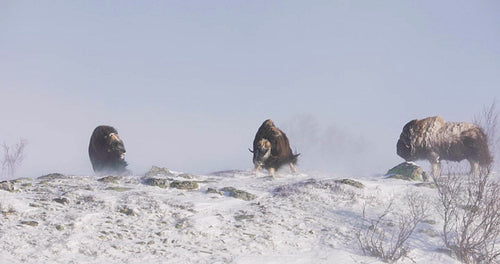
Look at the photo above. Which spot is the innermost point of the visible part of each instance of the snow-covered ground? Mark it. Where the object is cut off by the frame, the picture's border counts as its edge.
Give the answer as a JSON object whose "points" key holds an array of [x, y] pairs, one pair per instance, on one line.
{"points": [[300, 218]]}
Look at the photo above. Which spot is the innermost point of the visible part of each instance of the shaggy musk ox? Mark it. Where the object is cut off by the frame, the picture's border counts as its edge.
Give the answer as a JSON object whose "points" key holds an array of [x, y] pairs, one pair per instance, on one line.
{"points": [[434, 139], [106, 151], [271, 149]]}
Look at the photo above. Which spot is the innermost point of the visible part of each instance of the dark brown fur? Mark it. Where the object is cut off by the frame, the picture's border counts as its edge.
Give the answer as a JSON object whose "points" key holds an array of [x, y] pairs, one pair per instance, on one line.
{"points": [[106, 151], [434, 139], [270, 138]]}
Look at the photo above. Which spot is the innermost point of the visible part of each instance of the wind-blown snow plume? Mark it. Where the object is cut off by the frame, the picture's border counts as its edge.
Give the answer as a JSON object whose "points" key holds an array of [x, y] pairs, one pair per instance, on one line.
{"points": [[327, 147]]}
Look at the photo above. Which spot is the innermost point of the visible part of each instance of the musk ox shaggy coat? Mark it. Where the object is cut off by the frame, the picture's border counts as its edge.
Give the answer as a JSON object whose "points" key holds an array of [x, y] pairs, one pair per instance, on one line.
{"points": [[271, 149], [106, 151], [434, 139]]}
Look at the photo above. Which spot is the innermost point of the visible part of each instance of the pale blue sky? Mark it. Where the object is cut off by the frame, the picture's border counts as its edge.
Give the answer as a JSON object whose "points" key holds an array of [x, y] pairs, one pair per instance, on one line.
{"points": [[187, 83]]}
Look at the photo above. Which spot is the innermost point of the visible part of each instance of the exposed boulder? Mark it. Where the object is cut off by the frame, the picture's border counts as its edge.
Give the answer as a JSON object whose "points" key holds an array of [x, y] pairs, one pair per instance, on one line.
{"points": [[239, 194], [63, 200], [157, 171], [52, 176], [184, 185], [7, 186], [408, 171], [162, 183], [353, 183], [110, 179]]}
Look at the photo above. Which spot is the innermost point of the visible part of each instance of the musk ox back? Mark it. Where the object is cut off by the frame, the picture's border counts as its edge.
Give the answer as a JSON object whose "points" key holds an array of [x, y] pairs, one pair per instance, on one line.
{"points": [[271, 149], [106, 151], [434, 139]]}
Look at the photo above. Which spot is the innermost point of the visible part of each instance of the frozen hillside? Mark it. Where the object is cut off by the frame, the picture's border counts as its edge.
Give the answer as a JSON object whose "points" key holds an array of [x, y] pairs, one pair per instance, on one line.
{"points": [[224, 217]]}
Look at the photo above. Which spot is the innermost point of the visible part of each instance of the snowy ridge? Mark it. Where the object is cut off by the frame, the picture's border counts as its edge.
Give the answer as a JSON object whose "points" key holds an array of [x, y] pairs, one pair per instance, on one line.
{"points": [[303, 218]]}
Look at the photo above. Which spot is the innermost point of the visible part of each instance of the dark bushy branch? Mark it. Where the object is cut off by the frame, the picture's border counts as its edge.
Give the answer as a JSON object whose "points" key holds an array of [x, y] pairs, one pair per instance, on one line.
{"points": [[382, 239], [12, 157], [471, 213]]}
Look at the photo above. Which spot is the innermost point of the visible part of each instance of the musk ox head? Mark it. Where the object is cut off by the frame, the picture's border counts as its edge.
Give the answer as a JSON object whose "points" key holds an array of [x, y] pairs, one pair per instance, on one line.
{"points": [[106, 151], [404, 146], [115, 148], [262, 152]]}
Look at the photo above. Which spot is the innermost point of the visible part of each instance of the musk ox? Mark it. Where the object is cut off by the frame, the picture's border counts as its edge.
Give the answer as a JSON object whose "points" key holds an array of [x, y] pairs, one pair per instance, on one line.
{"points": [[434, 139], [271, 149], [106, 151]]}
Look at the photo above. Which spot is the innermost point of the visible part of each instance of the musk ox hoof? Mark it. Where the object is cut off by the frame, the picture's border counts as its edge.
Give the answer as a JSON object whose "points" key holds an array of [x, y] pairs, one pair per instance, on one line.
{"points": [[407, 171]]}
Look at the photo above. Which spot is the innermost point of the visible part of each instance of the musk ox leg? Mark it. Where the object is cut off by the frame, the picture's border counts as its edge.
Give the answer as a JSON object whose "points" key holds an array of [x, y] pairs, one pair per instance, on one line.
{"points": [[474, 167], [436, 169], [257, 168], [292, 168], [271, 171]]}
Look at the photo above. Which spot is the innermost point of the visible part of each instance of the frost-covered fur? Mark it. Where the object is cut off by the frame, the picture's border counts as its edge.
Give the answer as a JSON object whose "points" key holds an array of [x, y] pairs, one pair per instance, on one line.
{"points": [[271, 148], [434, 139]]}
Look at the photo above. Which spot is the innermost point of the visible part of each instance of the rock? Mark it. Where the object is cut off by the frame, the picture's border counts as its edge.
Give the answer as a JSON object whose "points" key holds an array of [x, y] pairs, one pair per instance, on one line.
{"points": [[184, 185], [239, 194], [26, 185], [119, 189], [7, 186], [11, 211], [183, 223], [30, 223], [52, 176], [63, 201], [241, 217], [128, 211], [186, 176], [407, 171], [162, 183], [157, 171], [213, 190], [22, 179], [353, 183], [110, 179], [60, 227]]}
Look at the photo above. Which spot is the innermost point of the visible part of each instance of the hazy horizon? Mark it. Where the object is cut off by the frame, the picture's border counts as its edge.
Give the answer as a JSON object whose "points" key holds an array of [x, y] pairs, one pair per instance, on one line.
{"points": [[188, 83]]}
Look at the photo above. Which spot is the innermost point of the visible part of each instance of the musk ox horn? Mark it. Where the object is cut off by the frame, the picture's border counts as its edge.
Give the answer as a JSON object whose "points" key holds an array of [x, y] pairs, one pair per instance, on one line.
{"points": [[114, 137], [250, 150]]}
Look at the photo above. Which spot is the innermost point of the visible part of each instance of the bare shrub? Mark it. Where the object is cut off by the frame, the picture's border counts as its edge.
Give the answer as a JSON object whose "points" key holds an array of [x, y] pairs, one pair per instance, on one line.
{"points": [[12, 157], [387, 239], [470, 207]]}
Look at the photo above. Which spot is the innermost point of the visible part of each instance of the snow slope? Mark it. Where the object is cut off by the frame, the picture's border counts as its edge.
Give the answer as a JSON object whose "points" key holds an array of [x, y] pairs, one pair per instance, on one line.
{"points": [[302, 218]]}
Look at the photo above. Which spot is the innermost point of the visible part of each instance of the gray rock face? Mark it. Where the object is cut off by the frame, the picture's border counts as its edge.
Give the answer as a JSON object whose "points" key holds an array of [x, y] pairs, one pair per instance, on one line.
{"points": [[157, 171], [239, 194], [7, 186], [52, 176], [407, 171], [184, 185], [162, 183], [110, 179], [353, 183]]}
